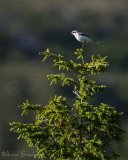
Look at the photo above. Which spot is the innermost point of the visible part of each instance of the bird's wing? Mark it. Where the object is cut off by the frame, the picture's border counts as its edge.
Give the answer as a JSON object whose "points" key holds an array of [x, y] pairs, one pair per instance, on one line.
{"points": [[82, 34]]}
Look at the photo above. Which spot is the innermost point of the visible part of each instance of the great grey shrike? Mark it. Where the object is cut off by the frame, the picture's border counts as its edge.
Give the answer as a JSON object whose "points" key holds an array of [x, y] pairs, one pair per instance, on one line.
{"points": [[83, 38]]}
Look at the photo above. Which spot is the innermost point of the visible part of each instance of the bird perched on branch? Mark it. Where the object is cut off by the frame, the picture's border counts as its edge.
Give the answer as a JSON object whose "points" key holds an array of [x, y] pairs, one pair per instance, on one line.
{"points": [[83, 38]]}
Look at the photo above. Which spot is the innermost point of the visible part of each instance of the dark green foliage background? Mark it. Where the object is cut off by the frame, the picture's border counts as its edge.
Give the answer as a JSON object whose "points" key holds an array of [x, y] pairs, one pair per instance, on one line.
{"points": [[27, 27]]}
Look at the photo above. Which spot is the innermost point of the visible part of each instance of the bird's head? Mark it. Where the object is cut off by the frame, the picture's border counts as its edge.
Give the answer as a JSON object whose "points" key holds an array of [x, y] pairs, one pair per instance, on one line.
{"points": [[74, 32]]}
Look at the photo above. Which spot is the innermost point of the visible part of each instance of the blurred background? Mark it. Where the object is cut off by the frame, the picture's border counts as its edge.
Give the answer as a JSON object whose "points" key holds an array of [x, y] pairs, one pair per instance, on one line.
{"points": [[28, 27]]}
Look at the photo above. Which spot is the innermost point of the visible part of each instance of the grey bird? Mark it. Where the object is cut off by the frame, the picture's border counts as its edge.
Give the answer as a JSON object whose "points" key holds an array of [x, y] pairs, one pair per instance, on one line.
{"points": [[83, 38]]}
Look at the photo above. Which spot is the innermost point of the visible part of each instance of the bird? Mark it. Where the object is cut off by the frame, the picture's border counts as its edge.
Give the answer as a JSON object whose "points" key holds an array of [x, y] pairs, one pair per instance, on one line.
{"points": [[83, 38]]}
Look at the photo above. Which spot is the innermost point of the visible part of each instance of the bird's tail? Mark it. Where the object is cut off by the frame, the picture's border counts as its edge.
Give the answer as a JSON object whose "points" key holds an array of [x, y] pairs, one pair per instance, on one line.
{"points": [[100, 43]]}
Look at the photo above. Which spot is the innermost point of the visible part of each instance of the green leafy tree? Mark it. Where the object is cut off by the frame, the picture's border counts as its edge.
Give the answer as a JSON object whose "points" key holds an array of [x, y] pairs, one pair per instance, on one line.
{"points": [[72, 129]]}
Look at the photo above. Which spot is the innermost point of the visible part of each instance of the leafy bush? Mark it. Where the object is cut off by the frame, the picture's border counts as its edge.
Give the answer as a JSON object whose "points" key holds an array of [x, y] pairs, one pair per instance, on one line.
{"points": [[72, 129]]}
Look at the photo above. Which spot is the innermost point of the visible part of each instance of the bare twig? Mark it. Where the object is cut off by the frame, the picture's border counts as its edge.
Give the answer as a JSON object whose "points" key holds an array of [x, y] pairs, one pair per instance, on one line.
{"points": [[83, 50]]}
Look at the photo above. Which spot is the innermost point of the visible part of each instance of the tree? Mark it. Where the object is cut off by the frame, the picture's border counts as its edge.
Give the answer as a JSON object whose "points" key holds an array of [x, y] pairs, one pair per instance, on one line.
{"points": [[72, 129]]}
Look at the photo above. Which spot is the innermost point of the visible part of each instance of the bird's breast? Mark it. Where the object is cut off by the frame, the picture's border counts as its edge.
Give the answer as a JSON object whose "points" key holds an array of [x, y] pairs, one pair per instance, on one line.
{"points": [[80, 38]]}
